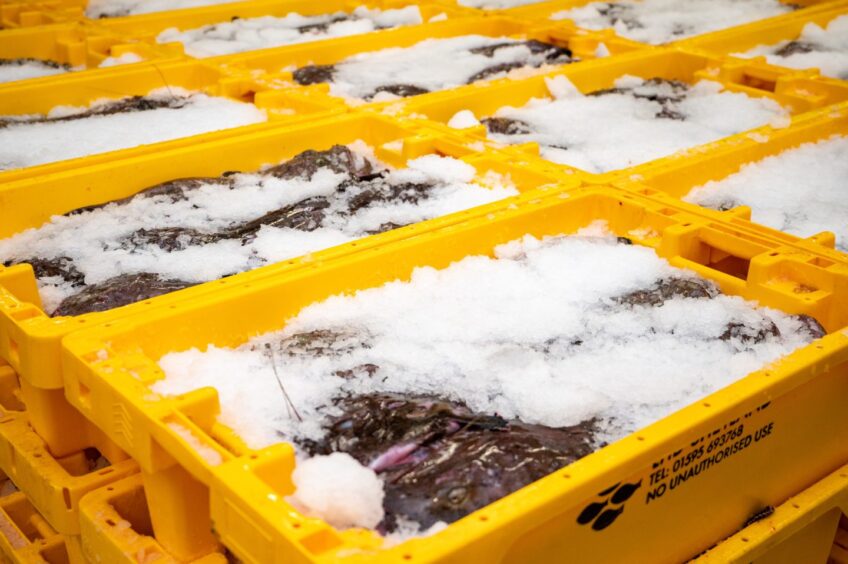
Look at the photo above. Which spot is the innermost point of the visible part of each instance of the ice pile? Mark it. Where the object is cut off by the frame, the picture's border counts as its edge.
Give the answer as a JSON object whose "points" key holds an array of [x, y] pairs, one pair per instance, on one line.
{"points": [[662, 21], [340, 490], [431, 65], [118, 8], [535, 333], [177, 237], [21, 69], [802, 191], [637, 121], [825, 49], [246, 34], [33, 140], [496, 4]]}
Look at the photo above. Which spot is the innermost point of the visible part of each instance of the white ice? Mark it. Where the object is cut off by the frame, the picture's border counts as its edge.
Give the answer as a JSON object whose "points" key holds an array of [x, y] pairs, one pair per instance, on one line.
{"points": [[29, 144], [247, 34], [829, 51], [94, 240], [532, 334], [662, 21], [28, 69], [614, 131], [338, 489], [117, 8], [802, 191], [432, 64]]}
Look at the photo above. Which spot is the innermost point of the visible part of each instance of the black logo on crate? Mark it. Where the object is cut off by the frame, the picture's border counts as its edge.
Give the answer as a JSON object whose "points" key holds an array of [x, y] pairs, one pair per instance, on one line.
{"points": [[602, 514]]}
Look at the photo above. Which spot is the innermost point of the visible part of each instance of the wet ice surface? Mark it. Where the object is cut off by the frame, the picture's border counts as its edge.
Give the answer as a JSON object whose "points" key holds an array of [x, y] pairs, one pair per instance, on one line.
{"points": [[32, 140], [662, 21], [579, 354], [636, 122], [245, 34], [429, 66], [190, 231], [118, 8], [802, 191], [496, 4], [823, 48], [21, 69], [565, 331]]}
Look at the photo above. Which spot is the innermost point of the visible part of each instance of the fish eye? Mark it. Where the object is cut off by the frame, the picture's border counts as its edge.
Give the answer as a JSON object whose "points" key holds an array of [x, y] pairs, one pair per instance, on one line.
{"points": [[457, 495]]}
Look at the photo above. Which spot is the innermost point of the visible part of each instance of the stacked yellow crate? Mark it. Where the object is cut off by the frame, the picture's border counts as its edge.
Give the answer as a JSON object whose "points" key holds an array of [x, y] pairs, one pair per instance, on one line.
{"points": [[201, 494]]}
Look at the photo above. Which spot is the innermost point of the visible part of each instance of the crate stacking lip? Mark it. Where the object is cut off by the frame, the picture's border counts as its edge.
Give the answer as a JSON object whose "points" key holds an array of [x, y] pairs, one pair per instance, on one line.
{"points": [[80, 89], [542, 11], [767, 32], [148, 26], [115, 527], [673, 177], [808, 527], [795, 402], [73, 44], [29, 339], [23, 13], [272, 62], [17, 13], [54, 486], [798, 91], [26, 538]]}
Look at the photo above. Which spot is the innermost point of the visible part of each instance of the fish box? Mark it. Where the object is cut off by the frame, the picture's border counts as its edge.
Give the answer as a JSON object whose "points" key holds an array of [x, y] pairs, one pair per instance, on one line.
{"points": [[785, 420]]}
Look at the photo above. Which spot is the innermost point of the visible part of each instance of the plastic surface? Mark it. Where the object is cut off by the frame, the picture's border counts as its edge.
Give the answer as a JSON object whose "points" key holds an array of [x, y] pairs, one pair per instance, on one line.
{"points": [[14, 14], [671, 178], [809, 527], [790, 414], [27, 538], [54, 486], [72, 44], [115, 524]]}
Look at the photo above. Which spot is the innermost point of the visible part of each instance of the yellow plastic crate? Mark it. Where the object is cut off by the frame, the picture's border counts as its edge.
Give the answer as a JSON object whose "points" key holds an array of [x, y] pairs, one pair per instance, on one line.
{"points": [[796, 398], [672, 178], [80, 89], [115, 523], [29, 339], [799, 91], [542, 11], [73, 44], [273, 61], [149, 26], [767, 32], [53, 485], [27, 14], [809, 527], [26, 538]]}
